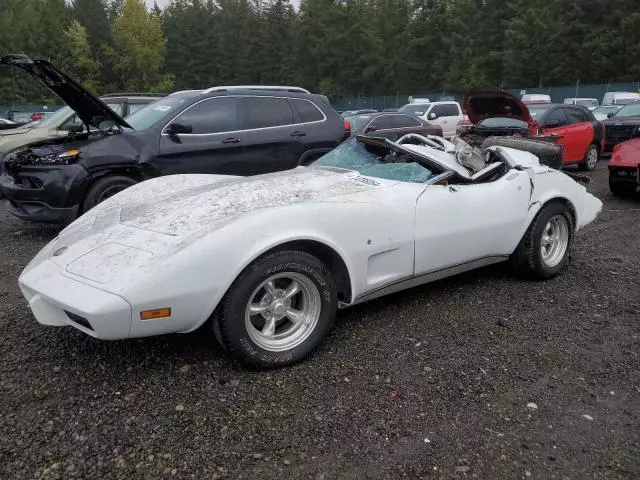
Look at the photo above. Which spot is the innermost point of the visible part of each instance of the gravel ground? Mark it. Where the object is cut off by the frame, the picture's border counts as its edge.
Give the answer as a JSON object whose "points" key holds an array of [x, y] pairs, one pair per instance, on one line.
{"points": [[478, 376]]}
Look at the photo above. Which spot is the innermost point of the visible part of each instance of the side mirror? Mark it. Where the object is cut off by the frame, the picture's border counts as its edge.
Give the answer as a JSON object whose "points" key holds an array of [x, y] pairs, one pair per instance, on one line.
{"points": [[610, 114], [178, 128], [432, 116]]}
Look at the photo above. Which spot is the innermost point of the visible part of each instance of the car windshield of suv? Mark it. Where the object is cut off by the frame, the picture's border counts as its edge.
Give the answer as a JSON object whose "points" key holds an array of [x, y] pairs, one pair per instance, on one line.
{"points": [[501, 122], [417, 109], [606, 109], [56, 118], [369, 160], [624, 101], [631, 110], [154, 112]]}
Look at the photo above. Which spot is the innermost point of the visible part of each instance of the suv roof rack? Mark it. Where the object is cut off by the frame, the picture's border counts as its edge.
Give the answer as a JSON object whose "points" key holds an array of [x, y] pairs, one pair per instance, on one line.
{"points": [[277, 88], [133, 94], [179, 92]]}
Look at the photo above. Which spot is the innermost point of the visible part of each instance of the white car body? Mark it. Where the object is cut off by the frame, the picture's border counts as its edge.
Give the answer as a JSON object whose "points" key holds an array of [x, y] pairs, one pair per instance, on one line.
{"points": [[180, 241], [447, 114], [620, 98], [536, 98], [590, 103]]}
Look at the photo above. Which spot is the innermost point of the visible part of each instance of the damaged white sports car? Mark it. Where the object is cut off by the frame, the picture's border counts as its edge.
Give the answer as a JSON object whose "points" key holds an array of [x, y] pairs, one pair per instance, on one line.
{"points": [[266, 261]]}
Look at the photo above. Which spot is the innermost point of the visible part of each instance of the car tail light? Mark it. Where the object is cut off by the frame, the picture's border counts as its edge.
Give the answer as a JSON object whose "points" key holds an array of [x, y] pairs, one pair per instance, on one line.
{"points": [[347, 128]]}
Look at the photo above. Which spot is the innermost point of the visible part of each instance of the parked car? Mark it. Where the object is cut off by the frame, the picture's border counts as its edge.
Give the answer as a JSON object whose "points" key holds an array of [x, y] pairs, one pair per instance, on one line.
{"points": [[351, 113], [622, 125], [590, 103], [624, 168], [264, 262], [7, 124], [391, 125], [65, 121], [532, 98], [620, 98], [498, 113], [605, 111], [243, 130], [580, 134], [446, 114]]}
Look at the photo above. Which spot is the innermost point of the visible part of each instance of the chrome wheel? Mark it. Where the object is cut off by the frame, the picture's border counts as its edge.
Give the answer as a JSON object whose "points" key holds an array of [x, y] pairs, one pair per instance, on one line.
{"points": [[555, 240], [592, 158], [283, 311]]}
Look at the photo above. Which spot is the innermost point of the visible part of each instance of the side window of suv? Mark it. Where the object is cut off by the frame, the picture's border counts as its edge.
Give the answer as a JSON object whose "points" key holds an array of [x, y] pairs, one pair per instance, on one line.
{"points": [[307, 111], [262, 112], [575, 115], [556, 119], [445, 110], [213, 115]]}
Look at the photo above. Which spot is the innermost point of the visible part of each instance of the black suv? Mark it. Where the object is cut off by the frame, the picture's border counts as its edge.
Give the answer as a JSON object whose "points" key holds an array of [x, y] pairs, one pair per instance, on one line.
{"points": [[239, 130], [622, 125]]}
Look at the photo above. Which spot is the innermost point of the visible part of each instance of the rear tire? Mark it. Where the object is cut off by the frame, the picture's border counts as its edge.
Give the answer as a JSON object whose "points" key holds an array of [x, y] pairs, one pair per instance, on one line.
{"points": [[548, 153], [263, 324], [545, 248], [591, 158], [104, 188], [622, 189]]}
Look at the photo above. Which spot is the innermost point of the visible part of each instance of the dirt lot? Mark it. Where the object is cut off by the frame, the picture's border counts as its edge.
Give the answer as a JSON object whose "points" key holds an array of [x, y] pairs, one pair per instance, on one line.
{"points": [[436, 382]]}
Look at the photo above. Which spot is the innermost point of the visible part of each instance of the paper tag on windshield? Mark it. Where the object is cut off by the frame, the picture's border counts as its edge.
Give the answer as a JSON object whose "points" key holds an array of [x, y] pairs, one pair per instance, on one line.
{"points": [[162, 108]]}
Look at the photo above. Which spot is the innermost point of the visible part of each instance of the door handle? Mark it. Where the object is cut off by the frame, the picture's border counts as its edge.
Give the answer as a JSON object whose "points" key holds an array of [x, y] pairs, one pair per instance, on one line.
{"points": [[231, 140], [453, 188], [298, 134]]}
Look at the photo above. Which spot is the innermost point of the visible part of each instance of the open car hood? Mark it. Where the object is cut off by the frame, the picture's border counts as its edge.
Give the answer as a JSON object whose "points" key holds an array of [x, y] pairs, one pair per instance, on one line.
{"points": [[479, 105], [89, 108]]}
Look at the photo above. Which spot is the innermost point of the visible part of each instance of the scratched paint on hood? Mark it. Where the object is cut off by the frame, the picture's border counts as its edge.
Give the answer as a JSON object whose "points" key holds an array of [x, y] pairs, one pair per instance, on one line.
{"points": [[203, 206]]}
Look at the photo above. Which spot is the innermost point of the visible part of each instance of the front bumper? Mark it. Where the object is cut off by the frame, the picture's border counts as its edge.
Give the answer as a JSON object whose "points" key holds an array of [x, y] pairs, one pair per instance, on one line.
{"points": [[44, 194], [58, 300], [625, 174]]}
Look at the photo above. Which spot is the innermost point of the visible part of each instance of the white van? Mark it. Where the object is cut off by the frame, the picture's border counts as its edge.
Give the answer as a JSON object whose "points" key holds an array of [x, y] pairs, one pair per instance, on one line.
{"points": [[536, 98], [620, 98]]}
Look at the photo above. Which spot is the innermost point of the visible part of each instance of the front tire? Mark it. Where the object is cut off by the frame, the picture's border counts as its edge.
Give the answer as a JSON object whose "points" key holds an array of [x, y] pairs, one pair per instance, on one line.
{"points": [[546, 246], [278, 310], [590, 158], [104, 188], [622, 189]]}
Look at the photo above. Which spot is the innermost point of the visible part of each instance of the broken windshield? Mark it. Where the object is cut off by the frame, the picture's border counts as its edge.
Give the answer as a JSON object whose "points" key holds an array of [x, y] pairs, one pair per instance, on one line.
{"points": [[375, 161]]}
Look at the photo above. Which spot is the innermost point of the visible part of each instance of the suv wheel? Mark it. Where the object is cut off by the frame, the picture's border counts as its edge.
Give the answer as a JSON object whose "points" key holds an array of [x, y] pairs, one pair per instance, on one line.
{"points": [[590, 158], [104, 188]]}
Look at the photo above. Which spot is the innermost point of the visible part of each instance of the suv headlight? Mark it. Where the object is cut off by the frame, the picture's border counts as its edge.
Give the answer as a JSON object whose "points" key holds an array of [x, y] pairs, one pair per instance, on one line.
{"points": [[64, 158]]}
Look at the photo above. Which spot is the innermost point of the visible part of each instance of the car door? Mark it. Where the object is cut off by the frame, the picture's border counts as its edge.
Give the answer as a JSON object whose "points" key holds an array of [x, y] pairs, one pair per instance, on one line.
{"points": [[456, 224], [446, 115], [213, 144], [555, 122], [271, 139], [580, 134]]}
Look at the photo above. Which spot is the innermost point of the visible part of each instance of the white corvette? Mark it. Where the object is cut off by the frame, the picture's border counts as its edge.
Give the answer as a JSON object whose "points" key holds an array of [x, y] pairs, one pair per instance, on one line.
{"points": [[266, 261]]}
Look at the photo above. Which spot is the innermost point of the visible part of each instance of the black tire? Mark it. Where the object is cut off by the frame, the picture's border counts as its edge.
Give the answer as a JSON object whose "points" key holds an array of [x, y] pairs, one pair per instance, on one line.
{"points": [[230, 314], [527, 259], [548, 153], [586, 164], [104, 188], [622, 189]]}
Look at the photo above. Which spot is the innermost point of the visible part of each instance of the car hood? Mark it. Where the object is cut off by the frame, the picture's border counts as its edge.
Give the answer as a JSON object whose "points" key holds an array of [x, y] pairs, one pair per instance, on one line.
{"points": [[14, 131], [626, 154], [89, 108], [622, 121], [482, 104]]}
